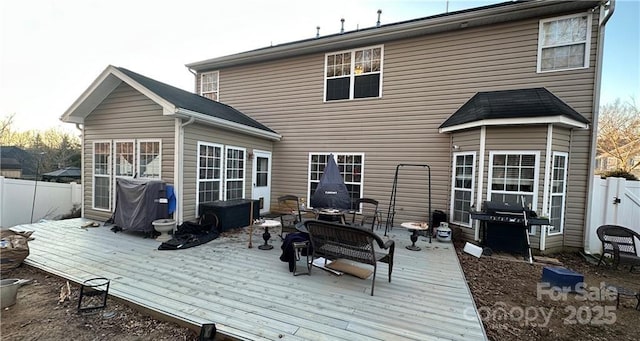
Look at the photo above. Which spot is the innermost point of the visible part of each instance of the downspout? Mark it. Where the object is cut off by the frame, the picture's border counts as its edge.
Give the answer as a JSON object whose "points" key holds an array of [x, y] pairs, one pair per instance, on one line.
{"points": [[80, 127], [546, 197], [179, 166], [610, 7], [481, 151]]}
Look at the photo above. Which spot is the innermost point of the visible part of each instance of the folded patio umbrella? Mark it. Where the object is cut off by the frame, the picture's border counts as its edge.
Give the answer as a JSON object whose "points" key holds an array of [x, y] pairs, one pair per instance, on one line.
{"points": [[331, 191]]}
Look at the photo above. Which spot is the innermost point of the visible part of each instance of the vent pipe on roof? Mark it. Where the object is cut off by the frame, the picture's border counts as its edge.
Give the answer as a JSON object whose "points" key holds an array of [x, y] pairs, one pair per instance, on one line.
{"points": [[317, 31], [342, 27], [378, 22]]}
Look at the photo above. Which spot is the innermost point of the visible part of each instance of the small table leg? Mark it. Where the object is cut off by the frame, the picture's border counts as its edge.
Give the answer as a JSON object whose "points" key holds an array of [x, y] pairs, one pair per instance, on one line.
{"points": [[414, 238], [266, 235]]}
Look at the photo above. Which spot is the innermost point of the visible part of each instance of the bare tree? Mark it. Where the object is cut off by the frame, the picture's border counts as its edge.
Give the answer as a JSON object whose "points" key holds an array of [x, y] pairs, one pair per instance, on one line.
{"points": [[619, 133]]}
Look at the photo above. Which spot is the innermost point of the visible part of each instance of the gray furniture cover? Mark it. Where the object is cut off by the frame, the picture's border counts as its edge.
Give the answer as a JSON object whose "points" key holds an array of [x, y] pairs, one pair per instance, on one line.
{"points": [[138, 203]]}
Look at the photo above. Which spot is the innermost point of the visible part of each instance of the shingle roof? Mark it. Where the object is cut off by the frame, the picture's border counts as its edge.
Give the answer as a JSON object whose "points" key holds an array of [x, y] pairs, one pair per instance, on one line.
{"points": [[521, 103], [190, 101]]}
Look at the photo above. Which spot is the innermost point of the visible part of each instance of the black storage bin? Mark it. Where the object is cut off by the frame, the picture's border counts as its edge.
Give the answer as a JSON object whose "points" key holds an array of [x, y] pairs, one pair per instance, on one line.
{"points": [[438, 217], [232, 213]]}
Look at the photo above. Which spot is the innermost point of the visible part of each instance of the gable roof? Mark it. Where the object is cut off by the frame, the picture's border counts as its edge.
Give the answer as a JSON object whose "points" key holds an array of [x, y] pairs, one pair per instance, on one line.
{"points": [[174, 101], [508, 107], [458, 20]]}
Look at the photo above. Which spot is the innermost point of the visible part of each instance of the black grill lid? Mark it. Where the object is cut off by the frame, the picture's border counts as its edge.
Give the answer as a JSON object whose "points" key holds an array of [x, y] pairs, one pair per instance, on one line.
{"points": [[495, 207]]}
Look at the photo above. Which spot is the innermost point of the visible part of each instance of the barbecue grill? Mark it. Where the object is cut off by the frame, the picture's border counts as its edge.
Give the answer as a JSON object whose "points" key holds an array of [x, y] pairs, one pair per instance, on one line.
{"points": [[505, 227]]}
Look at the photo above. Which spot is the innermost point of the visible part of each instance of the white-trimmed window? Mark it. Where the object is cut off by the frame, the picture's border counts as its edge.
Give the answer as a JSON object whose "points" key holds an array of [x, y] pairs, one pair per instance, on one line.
{"points": [[209, 85], [102, 175], [149, 159], [113, 159], [557, 193], [564, 42], [235, 171], [462, 189], [350, 166], [209, 173], [353, 74], [124, 160], [513, 177]]}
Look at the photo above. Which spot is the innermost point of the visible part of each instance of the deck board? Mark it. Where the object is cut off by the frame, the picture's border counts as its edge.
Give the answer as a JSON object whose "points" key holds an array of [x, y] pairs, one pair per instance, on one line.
{"points": [[250, 294]]}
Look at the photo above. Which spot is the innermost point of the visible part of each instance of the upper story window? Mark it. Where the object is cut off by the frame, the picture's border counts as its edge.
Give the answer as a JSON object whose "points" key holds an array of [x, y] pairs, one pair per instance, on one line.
{"points": [[209, 85], [353, 74], [563, 43]]}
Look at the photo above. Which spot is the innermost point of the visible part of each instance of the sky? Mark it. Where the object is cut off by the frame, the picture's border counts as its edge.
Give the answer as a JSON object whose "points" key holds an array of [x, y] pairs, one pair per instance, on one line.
{"points": [[51, 50]]}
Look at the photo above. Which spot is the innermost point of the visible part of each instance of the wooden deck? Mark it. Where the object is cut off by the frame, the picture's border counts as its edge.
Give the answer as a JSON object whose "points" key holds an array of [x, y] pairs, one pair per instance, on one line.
{"points": [[250, 294]]}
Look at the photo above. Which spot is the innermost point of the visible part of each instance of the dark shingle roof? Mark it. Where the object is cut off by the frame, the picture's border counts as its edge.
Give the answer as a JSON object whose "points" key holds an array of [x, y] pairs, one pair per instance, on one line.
{"points": [[521, 103], [190, 101]]}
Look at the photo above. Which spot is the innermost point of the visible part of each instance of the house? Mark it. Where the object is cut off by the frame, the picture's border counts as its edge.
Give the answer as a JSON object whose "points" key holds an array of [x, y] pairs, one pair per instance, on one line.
{"points": [[498, 101], [17, 163], [611, 160]]}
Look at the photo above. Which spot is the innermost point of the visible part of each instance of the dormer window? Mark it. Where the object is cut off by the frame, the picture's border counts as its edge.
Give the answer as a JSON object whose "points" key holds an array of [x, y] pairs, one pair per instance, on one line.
{"points": [[563, 43], [353, 74], [209, 85]]}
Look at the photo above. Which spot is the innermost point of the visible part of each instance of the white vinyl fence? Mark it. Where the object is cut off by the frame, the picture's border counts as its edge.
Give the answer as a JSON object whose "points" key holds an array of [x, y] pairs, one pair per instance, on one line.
{"points": [[615, 201], [25, 201]]}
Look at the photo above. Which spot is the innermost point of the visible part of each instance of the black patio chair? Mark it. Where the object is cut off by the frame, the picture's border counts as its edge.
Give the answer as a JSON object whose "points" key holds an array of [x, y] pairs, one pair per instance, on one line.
{"points": [[370, 214], [290, 206], [620, 242]]}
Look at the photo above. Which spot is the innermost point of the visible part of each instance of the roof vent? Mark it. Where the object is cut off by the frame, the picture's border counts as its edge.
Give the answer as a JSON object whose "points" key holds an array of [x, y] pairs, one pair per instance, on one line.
{"points": [[317, 31], [378, 22], [342, 27]]}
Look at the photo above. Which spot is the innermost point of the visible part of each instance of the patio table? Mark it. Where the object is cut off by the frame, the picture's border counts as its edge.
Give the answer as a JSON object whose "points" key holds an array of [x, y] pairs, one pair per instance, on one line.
{"points": [[415, 227]]}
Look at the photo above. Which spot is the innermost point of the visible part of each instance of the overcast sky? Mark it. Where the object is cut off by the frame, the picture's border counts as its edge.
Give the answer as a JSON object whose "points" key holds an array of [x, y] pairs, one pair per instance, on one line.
{"points": [[51, 50]]}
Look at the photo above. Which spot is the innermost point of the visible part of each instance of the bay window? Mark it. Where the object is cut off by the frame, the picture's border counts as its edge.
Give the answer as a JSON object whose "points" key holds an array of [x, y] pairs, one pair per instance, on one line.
{"points": [[513, 178], [557, 192], [462, 188]]}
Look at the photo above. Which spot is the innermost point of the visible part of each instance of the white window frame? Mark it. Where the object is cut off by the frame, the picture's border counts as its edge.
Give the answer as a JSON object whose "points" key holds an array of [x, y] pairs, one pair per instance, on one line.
{"points": [[139, 158], [536, 178], [335, 158], [114, 173], [108, 175], [199, 180], [352, 74], [454, 188], [587, 42], [216, 91], [226, 168], [562, 194]]}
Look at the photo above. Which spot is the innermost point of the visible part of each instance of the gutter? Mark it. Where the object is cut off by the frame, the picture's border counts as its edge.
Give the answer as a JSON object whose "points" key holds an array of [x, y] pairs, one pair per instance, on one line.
{"points": [[218, 122], [610, 7]]}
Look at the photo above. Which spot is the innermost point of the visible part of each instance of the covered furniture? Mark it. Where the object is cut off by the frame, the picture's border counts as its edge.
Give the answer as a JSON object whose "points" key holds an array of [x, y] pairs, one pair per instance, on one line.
{"points": [[369, 216], [334, 241], [138, 203], [619, 242], [290, 206], [232, 213]]}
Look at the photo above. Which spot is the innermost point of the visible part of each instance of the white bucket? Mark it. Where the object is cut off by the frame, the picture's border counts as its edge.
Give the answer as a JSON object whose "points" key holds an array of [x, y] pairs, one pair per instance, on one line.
{"points": [[9, 291], [443, 233]]}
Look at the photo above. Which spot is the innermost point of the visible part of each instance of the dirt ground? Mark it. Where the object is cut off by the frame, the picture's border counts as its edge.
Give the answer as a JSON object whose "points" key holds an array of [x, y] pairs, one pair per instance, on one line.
{"points": [[512, 304], [37, 315]]}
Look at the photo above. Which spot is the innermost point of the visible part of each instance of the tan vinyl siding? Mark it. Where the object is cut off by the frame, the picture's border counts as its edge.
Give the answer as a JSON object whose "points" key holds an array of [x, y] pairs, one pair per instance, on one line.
{"points": [[125, 114], [195, 133], [425, 80]]}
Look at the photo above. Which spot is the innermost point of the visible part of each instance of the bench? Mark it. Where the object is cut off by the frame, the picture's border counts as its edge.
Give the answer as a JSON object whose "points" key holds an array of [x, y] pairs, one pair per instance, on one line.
{"points": [[333, 241]]}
